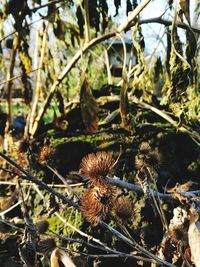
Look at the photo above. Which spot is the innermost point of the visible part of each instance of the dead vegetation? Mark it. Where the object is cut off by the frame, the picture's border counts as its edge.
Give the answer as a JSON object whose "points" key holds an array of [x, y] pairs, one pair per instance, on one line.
{"points": [[97, 170]]}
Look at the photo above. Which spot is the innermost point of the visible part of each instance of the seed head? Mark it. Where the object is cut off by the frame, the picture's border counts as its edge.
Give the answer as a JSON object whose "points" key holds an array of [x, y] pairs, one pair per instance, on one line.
{"points": [[154, 159], [23, 146], [144, 148], [96, 202], [147, 157], [46, 154], [178, 233], [124, 208], [97, 165]]}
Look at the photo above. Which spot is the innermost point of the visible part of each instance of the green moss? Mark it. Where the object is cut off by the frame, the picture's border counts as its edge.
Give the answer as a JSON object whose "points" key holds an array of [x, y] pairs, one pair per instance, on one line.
{"points": [[102, 140], [72, 217]]}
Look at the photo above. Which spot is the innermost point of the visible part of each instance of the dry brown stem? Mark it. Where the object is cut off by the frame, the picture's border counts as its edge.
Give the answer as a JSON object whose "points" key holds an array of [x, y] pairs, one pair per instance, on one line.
{"points": [[39, 82]]}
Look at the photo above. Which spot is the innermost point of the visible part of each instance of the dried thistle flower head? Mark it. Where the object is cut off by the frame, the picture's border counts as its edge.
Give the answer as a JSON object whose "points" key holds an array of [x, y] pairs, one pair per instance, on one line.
{"points": [[46, 154], [96, 202], [178, 233], [147, 157], [144, 148], [143, 177], [142, 155], [154, 158], [97, 165], [124, 208], [23, 146]]}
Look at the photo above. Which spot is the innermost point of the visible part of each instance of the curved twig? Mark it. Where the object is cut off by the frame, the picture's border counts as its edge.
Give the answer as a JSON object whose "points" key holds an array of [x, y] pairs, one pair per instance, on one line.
{"points": [[165, 22]]}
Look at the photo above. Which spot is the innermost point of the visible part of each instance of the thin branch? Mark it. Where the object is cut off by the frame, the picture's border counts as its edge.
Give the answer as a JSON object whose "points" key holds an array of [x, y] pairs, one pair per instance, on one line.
{"points": [[35, 21], [165, 22], [158, 202], [18, 76], [80, 241], [2, 213], [180, 128], [133, 15], [10, 34], [108, 67], [39, 81], [46, 5], [136, 188], [87, 23], [81, 233], [116, 252], [11, 172], [11, 225], [69, 189], [120, 255], [9, 84], [134, 244], [33, 179], [124, 53], [30, 184]]}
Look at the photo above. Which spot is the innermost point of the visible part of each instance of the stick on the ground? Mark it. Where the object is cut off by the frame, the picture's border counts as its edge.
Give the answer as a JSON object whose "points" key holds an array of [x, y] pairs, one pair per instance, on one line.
{"points": [[33, 179]]}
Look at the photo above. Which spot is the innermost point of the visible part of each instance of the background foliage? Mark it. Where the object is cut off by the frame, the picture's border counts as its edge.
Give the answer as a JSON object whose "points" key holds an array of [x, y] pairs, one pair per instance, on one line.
{"points": [[60, 102]]}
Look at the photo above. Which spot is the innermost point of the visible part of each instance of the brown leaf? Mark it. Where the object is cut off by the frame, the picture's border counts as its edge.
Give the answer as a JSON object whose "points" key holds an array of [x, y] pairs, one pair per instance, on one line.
{"points": [[89, 107], [124, 104], [184, 9], [60, 255], [180, 187], [179, 190]]}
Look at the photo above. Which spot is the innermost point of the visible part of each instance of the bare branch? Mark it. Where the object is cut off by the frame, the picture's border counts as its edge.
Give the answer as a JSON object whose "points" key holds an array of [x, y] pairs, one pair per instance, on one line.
{"points": [[46, 5], [133, 15], [119, 255], [135, 245], [167, 23], [35, 180], [39, 81], [18, 76], [136, 188], [9, 84]]}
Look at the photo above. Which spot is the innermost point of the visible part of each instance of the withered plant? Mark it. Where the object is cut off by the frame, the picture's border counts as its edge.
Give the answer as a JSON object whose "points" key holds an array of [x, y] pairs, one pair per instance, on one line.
{"points": [[97, 166], [124, 208], [98, 198]]}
